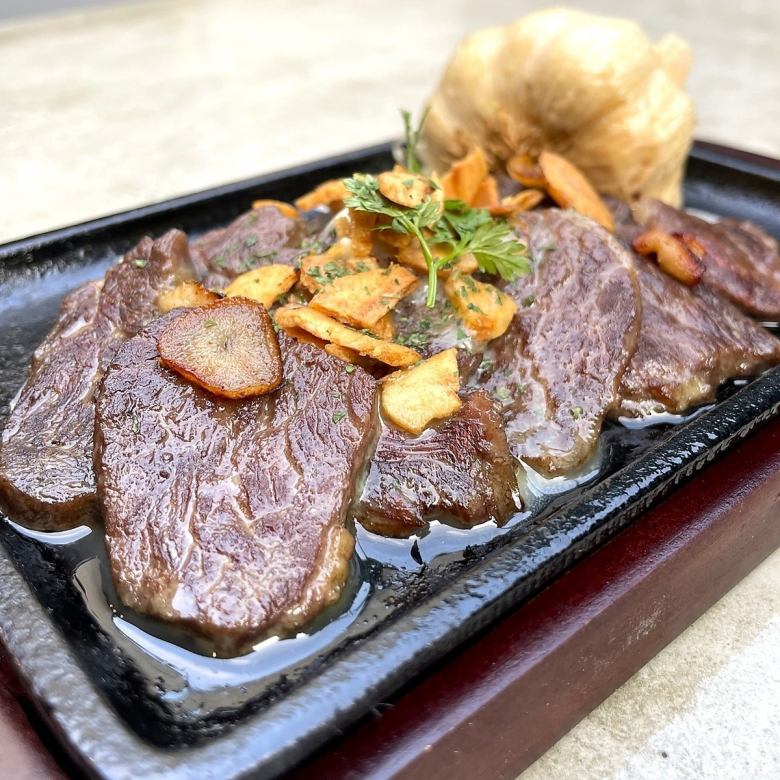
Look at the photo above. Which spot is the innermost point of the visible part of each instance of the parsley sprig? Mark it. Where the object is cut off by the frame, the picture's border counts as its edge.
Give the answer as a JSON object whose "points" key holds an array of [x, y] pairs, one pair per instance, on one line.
{"points": [[411, 139], [366, 197], [464, 230]]}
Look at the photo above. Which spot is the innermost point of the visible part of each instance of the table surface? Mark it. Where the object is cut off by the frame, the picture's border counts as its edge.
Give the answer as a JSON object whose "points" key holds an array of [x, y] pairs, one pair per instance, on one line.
{"points": [[106, 109]]}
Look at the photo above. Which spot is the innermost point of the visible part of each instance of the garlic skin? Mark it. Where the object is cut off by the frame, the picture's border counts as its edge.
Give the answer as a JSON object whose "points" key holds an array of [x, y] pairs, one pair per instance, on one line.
{"points": [[592, 88]]}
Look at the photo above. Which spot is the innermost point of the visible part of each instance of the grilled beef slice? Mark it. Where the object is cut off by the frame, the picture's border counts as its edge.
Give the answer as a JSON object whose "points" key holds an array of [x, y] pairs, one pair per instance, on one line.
{"points": [[228, 516], [46, 475], [459, 471], [556, 372], [259, 237], [690, 341], [741, 262]]}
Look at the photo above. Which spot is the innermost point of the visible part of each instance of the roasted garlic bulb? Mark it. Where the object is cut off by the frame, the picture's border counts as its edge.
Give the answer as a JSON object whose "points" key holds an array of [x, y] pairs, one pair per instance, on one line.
{"points": [[592, 88]]}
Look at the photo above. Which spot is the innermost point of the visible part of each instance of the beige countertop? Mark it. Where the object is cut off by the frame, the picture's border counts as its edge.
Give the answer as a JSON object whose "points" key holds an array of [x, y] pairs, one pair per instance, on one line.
{"points": [[112, 108]]}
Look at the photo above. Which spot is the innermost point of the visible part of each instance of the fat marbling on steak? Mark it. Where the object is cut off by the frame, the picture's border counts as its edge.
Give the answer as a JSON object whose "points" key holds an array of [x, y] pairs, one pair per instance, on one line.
{"points": [[460, 471], [228, 516], [557, 371], [741, 261], [46, 475]]}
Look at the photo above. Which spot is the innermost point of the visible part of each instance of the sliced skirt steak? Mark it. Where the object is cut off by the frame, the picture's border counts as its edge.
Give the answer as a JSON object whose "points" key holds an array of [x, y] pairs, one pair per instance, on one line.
{"points": [[460, 471], [691, 339], [741, 261], [228, 516], [259, 237], [557, 371], [46, 475]]}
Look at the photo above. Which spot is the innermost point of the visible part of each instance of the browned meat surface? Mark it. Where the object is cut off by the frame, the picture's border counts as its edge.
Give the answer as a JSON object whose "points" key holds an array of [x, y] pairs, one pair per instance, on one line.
{"points": [[741, 262], [557, 371], [690, 341], [460, 471], [259, 237], [228, 516], [46, 476]]}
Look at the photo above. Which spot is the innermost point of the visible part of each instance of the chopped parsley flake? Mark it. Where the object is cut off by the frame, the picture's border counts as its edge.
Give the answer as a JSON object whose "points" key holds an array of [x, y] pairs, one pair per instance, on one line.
{"points": [[339, 416], [350, 368], [140, 262], [210, 323], [413, 340], [577, 412]]}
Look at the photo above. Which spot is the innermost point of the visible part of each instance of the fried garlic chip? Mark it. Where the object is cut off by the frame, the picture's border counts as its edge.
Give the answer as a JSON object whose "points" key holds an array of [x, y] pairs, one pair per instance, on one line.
{"points": [[318, 271], [287, 209], [414, 398], [330, 194], [484, 309], [185, 296], [569, 188], [228, 348], [363, 299], [326, 328], [678, 255], [464, 179], [264, 284]]}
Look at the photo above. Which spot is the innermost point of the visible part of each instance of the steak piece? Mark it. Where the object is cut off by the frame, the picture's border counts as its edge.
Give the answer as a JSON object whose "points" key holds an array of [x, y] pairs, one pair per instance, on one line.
{"points": [[46, 476], [741, 262], [557, 370], [260, 237], [690, 341], [228, 516], [460, 471]]}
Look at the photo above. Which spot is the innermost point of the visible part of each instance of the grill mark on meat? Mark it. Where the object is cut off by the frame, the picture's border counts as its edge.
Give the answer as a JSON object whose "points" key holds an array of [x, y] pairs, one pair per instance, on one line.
{"points": [[246, 535], [259, 237], [459, 471], [46, 475], [557, 370], [741, 262]]}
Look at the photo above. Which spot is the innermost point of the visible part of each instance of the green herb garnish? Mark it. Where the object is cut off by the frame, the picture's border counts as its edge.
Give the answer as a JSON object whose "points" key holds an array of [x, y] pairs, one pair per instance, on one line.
{"points": [[411, 139], [459, 227], [210, 323], [339, 416], [349, 368], [416, 341], [140, 262], [577, 412]]}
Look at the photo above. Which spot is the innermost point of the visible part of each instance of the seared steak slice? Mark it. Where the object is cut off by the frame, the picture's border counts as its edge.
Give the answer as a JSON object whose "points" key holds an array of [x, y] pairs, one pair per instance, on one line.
{"points": [[46, 476], [460, 471], [741, 262], [259, 237], [557, 370], [228, 516], [690, 341]]}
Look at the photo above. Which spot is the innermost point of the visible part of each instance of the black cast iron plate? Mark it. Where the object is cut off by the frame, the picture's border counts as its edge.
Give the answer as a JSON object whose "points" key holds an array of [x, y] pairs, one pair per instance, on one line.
{"points": [[132, 698]]}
